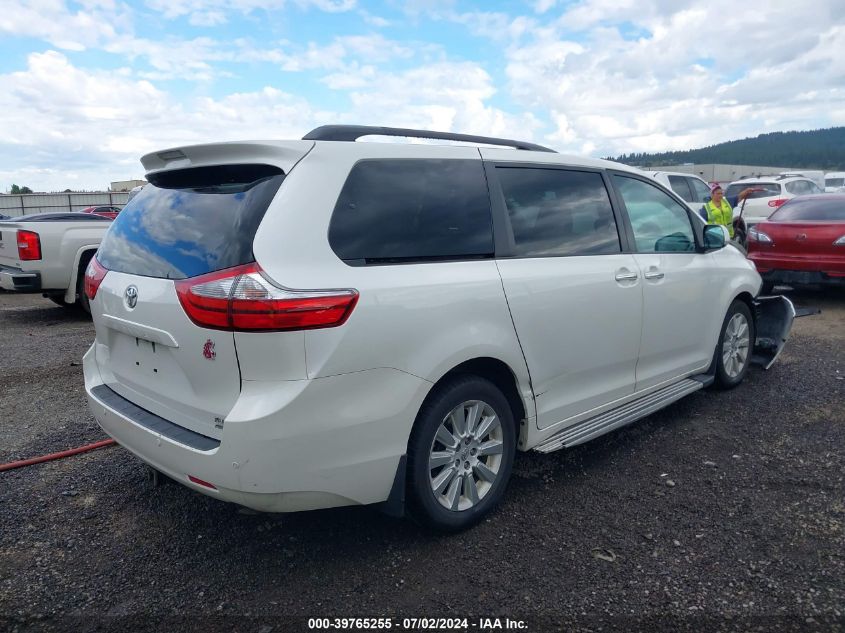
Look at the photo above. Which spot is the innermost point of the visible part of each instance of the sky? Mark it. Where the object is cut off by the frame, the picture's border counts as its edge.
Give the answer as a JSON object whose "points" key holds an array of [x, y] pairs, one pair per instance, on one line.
{"points": [[89, 86]]}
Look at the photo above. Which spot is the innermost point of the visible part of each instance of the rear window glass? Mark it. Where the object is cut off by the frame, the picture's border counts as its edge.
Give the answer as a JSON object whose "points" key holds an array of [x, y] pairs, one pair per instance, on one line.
{"points": [[811, 209], [393, 211], [191, 221], [765, 189]]}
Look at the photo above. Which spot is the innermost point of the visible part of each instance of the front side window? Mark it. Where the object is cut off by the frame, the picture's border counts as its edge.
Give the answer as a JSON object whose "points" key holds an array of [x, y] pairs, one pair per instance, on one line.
{"points": [[412, 210], [660, 223], [555, 212]]}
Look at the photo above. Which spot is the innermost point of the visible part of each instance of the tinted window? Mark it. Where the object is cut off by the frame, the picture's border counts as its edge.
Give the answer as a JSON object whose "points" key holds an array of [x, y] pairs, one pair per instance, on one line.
{"points": [[412, 210], [681, 187], [660, 223], [814, 209], [558, 212], [189, 222], [764, 189], [701, 192], [834, 182]]}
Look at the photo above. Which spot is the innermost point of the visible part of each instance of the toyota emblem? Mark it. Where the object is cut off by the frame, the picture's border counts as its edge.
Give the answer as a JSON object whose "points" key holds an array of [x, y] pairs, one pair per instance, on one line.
{"points": [[131, 297]]}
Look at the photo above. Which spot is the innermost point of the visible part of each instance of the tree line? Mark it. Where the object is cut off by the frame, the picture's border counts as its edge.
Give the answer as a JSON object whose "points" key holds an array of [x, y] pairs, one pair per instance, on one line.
{"points": [[814, 149]]}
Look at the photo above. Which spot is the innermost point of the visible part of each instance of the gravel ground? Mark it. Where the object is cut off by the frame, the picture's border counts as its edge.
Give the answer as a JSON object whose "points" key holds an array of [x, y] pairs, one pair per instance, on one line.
{"points": [[723, 512]]}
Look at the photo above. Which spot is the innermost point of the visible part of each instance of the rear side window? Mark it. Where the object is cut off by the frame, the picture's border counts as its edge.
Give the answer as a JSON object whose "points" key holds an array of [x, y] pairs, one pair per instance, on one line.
{"points": [[813, 209], [556, 212], [412, 210], [701, 192], [189, 222], [680, 185], [764, 189]]}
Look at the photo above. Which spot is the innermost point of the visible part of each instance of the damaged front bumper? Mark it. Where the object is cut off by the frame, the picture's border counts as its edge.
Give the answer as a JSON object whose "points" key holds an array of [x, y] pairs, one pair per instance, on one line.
{"points": [[773, 317]]}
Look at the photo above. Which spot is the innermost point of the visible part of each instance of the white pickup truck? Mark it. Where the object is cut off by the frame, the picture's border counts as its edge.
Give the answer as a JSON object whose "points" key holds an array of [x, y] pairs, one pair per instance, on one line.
{"points": [[48, 253]]}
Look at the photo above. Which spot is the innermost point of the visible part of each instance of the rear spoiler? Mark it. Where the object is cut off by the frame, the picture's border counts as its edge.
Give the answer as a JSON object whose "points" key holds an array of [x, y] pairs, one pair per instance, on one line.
{"points": [[283, 154]]}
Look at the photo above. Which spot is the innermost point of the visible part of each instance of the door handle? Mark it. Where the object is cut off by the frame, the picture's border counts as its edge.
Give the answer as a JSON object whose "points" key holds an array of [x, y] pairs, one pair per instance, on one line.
{"points": [[627, 276], [654, 274]]}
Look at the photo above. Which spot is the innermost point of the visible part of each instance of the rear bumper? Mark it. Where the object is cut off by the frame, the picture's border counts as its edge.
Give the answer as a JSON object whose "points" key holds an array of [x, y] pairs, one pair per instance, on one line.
{"points": [[286, 446], [801, 277], [19, 280]]}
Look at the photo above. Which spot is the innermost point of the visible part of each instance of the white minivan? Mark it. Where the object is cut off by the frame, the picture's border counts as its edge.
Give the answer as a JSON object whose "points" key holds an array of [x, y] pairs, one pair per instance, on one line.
{"points": [[292, 325]]}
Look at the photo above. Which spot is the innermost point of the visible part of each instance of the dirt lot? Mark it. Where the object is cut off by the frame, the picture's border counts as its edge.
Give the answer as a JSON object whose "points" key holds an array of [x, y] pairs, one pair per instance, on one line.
{"points": [[724, 512]]}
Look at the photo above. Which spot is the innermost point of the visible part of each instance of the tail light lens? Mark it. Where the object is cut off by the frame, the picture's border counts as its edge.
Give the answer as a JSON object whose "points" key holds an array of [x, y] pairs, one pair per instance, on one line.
{"points": [[94, 275], [29, 245], [241, 299], [777, 202], [756, 235]]}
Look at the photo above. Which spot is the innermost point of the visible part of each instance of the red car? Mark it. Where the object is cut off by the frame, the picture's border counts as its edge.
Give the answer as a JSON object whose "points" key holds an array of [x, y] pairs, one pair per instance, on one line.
{"points": [[107, 211], [803, 242]]}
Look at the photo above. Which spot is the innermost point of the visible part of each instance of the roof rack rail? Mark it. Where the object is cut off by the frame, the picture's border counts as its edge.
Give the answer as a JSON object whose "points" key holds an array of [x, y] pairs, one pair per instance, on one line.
{"points": [[354, 132]]}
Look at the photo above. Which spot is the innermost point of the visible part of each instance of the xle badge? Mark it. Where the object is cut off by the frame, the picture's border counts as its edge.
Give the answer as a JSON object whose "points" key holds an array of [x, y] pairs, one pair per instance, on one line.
{"points": [[208, 350]]}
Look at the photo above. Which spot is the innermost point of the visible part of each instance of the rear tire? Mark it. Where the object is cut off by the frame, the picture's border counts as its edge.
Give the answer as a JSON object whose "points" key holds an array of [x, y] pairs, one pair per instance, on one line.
{"points": [[81, 298], [460, 454], [59, 300], [736, 344]]}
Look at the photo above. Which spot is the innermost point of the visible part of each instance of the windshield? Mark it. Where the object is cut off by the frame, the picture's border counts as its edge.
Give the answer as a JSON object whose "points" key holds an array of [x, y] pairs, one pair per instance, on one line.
{"points": [[829, 209], [190, 222]]}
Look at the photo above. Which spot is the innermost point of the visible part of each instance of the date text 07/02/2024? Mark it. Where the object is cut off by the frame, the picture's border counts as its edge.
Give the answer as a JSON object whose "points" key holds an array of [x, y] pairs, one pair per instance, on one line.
{"points": [[417, 624]]}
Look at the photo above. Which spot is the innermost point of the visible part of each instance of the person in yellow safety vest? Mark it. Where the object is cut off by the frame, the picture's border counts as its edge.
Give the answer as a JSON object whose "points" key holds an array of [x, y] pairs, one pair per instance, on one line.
{"points": [[720, 210]]}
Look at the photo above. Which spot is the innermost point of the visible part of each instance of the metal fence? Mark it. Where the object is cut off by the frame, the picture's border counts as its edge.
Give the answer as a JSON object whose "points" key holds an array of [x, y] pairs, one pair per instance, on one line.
{"points": [[29, 203]]}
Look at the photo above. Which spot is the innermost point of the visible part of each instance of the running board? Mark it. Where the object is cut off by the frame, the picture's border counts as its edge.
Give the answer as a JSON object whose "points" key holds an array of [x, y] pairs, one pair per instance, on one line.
{"points": [[593, 427]]}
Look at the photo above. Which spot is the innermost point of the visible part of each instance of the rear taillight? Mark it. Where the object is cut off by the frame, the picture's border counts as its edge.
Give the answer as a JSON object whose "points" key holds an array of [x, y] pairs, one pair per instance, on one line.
{"points": [[29, 245], [756, 235], [243, 299], [94, 275], [777, 202]]}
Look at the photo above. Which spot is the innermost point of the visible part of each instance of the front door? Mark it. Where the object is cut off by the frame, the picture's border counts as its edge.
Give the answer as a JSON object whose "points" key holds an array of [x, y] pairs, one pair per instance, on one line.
{"points": [[680, 293]]}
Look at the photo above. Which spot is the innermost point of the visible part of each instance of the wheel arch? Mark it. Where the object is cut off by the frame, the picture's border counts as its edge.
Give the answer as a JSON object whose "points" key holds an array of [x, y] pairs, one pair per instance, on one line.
{"points": [[80, 262], [500, 374]]}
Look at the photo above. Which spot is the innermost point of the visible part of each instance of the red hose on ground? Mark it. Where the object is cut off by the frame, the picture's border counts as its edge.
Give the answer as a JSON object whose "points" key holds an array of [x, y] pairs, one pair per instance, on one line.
{"points": [[59, 455]]}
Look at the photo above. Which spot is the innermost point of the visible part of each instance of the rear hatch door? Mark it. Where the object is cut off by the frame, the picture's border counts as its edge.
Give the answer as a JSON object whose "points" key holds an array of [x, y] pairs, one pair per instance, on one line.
{"points": [[186, 223]]}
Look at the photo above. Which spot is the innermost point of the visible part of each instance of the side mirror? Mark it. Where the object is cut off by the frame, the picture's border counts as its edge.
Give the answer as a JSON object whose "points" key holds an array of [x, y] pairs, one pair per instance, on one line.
{"points": [[715, 236]]}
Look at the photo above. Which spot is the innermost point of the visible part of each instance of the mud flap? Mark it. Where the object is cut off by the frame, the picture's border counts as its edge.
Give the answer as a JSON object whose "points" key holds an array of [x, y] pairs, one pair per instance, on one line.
{"points": [[773, 317]]}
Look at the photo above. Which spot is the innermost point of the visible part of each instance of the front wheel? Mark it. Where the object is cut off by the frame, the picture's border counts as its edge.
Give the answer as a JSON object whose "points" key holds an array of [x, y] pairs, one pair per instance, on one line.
{"points": [[460, 454], [736, 343]]}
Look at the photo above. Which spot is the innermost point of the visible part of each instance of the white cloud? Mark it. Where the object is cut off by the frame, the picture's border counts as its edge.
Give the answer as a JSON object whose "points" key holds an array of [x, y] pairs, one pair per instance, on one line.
{"points": [[200, 12], [666, 87], [68, 127], [51, 20]]}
